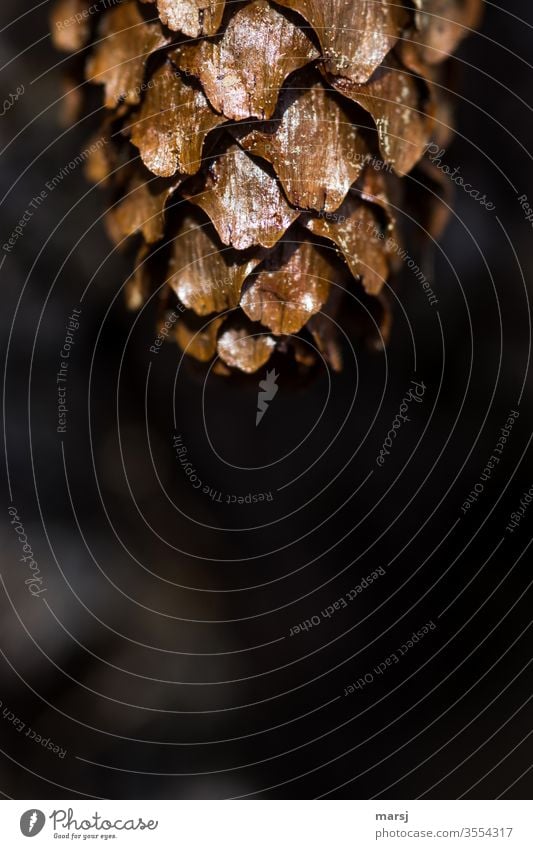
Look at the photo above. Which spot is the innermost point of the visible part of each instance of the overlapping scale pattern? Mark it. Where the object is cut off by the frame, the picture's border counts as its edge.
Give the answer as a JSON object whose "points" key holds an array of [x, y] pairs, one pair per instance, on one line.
{"points": [[261, 152]]}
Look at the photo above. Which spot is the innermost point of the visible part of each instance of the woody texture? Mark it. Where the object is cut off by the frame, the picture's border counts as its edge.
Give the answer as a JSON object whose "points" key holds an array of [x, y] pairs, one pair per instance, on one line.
{"points": [[264, 161]]}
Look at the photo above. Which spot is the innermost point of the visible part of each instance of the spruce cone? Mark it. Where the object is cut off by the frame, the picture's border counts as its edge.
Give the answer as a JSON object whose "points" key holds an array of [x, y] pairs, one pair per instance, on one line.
{"points": [[256, 153]]}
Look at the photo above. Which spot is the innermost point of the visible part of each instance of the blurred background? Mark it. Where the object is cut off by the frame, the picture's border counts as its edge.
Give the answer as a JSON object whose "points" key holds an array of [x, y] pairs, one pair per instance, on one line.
{"points": [[159, 661]]}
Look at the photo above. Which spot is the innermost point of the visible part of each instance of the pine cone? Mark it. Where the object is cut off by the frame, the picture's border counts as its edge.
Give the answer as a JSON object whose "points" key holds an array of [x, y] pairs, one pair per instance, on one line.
{"points": [[256, 153]]}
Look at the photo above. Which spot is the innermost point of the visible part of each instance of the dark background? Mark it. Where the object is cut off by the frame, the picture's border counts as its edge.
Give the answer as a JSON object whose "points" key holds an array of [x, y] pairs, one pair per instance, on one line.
{"points": [[161, 661]]}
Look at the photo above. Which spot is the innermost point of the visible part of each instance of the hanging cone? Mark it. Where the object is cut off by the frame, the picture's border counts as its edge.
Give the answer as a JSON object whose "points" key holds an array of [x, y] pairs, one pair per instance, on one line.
{"points": [[259, 151]]}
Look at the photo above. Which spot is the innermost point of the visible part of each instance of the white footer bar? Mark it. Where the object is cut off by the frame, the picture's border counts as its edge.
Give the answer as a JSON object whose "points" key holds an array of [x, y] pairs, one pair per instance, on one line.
{"points": [[268, 824]]}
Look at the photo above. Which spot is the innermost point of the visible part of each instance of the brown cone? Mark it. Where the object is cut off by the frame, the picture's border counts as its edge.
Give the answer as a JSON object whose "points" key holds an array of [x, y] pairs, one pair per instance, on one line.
{"points": [[260, 150]]}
